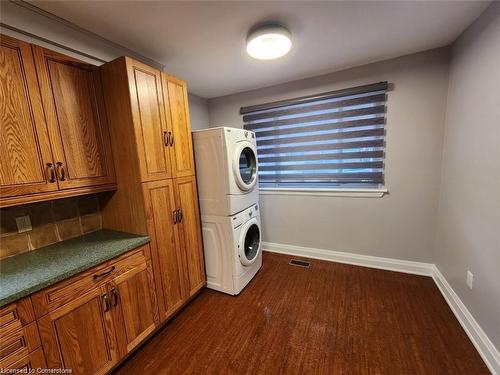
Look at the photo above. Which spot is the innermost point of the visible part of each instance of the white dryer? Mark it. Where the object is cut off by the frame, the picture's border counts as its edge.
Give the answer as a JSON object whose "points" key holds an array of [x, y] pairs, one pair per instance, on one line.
{"points": [[233, 252], [226, 170]]}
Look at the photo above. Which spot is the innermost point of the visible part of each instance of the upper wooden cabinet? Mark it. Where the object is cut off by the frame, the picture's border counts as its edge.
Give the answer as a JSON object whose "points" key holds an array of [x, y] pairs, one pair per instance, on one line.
{"points": [[54, 139], [76, 118], [26, 166], [151, 108], [134, 100], [176, 103]]}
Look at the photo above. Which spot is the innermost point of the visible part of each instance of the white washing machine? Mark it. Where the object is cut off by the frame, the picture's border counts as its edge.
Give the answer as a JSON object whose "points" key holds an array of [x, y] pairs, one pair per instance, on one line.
{"points": [[226, 170], [233, 252]]}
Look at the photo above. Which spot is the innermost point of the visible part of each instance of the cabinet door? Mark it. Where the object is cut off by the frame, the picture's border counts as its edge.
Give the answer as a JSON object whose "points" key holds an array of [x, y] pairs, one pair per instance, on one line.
{"points": [[150, 124], [166, 252], [26, 158], [176, 104], [76, 118], [189, 227], [28, 364], [80, 335], [133, 302]]}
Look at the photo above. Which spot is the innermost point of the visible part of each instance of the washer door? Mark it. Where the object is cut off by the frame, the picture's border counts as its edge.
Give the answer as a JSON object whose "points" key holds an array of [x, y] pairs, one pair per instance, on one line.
{"points": [[245, 166], [249, 245]]}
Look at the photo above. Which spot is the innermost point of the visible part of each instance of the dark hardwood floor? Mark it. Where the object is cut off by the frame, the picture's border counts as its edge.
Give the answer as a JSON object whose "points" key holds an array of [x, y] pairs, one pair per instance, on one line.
{"points": [[330, 318]]}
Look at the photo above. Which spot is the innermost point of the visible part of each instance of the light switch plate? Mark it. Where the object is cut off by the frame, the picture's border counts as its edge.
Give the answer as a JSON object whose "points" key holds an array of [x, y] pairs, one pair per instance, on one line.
{"points": [[23, 224]]}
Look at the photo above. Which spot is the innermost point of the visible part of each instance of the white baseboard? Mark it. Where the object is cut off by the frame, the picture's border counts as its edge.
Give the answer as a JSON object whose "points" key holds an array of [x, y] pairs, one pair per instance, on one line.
{"points": [[480, 340], [389, 264]]}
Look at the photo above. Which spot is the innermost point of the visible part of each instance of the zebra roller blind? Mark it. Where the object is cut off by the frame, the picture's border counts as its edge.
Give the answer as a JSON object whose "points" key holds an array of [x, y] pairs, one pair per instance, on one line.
{"points": [[328, 140]]}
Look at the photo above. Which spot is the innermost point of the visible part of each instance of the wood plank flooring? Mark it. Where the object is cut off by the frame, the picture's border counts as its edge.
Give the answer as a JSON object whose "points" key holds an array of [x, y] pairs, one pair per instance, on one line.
{"points": [[330, 318]]}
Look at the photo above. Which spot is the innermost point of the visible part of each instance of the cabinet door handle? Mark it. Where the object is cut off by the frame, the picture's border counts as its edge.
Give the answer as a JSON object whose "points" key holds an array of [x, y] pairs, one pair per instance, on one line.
{"points": [[105, 301], [52, 172], [114, 297], [174, 216], [61, 170], [180, 215], [171, 137], [105, 273], [165, 138]]}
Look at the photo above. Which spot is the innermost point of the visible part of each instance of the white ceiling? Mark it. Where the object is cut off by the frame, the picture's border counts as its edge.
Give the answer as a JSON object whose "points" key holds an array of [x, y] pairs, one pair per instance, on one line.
{"points": [[204, 42]]}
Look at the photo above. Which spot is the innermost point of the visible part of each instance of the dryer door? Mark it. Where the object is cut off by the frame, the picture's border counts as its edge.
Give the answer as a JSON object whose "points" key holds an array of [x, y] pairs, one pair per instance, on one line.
{"points": [[245, 165], [249, 245]]}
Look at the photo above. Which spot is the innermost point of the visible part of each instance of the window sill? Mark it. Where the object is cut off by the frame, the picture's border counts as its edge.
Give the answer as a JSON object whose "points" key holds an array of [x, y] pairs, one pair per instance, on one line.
{"points": [[354, 193]]}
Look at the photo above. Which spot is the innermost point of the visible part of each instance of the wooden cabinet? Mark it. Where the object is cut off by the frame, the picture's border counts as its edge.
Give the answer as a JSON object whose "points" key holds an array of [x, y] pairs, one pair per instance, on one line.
{"points": [[80, 334], [148, 112], [27, 165], [76, 118], [28, 364], [176, 103], [20, 341], [177, 244], [133, 300], [90, 321], [167, 251], [190, 234], [54, 138], [149, 121]]}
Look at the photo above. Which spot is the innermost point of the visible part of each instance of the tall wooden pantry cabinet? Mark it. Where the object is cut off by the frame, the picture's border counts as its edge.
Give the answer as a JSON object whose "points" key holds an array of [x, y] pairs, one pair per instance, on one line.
{"points": [[151, 140]]}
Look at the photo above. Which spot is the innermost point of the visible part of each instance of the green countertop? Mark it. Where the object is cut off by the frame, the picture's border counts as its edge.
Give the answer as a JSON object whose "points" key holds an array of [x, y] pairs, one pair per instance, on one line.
{"points": [[24, 274]]}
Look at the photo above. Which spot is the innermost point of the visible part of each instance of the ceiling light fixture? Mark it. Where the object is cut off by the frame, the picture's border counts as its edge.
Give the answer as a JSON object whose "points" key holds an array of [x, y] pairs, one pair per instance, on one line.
{"points": [[268, 42]]}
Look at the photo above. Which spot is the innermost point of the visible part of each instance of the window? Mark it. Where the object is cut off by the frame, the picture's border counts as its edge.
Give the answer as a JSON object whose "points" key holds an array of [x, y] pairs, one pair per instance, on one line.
{"points": [[330, 140]]}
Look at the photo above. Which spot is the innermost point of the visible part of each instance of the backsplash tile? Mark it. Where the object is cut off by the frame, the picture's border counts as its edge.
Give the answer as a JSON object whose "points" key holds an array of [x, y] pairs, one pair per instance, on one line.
{"points": [[52, 222], [69, 228], [13, 244]]}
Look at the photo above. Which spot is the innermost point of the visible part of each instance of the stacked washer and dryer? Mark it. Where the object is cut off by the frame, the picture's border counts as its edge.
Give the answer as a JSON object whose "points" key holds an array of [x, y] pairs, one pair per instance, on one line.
{"points": [[226, 170]]}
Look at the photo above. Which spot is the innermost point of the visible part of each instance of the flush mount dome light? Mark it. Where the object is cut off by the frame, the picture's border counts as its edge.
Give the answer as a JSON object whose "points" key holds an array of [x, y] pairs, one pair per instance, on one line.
{"points": [[268, 42]]}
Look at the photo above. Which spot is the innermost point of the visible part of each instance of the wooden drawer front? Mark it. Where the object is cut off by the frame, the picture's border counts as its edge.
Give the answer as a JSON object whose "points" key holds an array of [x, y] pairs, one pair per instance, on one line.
{"points": [[16, 315], [66, 291], [24, 365], [18, 343]]}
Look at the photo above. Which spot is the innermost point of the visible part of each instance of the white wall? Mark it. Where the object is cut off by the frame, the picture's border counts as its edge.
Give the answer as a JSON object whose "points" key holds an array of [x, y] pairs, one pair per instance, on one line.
{"points": [[198, 112], [468, 235], [400, 225], [47, 30]]}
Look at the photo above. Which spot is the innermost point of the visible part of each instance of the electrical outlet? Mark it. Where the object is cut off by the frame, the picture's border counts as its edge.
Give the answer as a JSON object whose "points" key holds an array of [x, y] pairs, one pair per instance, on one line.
{"points": [[470, 278], [23, 224]]}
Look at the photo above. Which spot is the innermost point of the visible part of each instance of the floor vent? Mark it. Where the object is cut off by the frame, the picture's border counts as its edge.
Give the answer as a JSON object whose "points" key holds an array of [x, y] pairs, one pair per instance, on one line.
{"points": [[300, 263]]}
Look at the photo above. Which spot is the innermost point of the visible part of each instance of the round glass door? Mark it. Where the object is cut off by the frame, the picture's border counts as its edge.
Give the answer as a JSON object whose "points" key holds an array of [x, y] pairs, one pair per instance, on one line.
{"points": [[251, 244], [245, 167]]}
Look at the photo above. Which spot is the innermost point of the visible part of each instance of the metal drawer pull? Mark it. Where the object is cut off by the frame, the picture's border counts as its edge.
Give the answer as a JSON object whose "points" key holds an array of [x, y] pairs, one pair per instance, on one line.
{"points": [[165, 138], [62, 172], [98, 275], [52, 172], [114, 296], [180, 215], [174, 216], [105, 300], [171, 136]]}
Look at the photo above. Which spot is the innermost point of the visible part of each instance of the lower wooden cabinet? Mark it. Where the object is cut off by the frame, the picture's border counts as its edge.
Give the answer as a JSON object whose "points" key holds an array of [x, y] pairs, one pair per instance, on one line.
{"points": [[174, 225], [95, 328], [190, 233], [29, 363], [133, 304], [80, 335]]}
